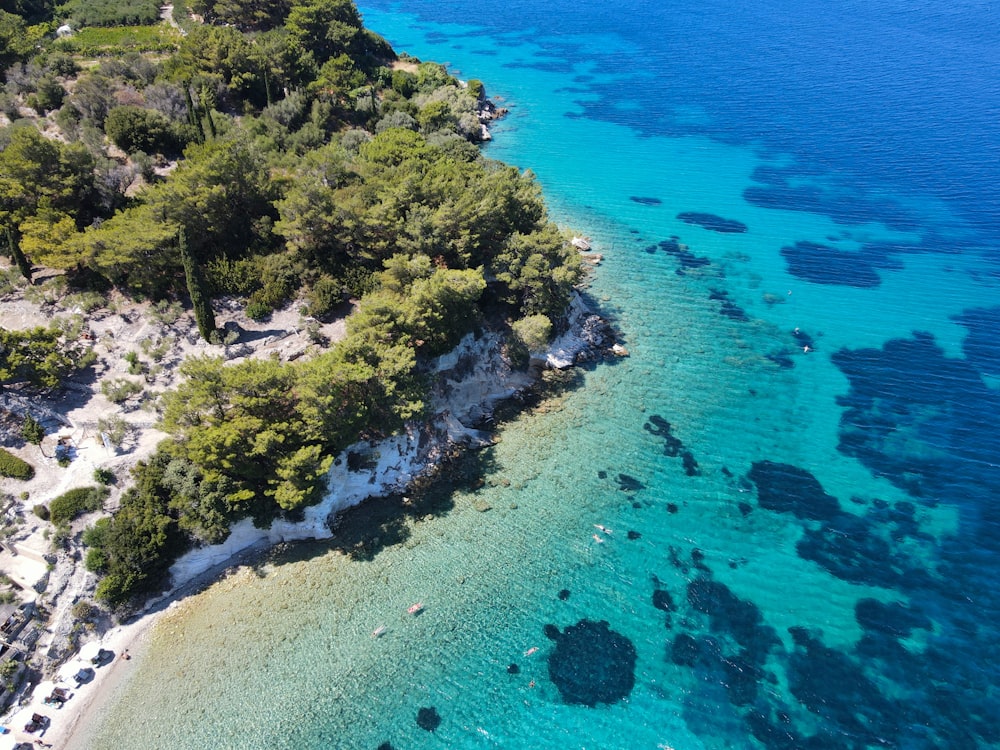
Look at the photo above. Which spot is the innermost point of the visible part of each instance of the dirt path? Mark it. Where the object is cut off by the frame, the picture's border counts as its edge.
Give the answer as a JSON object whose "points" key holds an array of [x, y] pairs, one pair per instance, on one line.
{"points": [[167, 14]]}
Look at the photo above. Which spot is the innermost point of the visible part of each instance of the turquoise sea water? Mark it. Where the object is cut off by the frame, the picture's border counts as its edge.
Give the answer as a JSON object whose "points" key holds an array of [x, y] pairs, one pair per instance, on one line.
{"points": [[804, 544]]}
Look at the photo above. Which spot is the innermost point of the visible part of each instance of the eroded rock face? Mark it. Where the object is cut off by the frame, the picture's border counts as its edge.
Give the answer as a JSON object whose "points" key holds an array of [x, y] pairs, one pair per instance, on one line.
{"points": [[592, 664]]}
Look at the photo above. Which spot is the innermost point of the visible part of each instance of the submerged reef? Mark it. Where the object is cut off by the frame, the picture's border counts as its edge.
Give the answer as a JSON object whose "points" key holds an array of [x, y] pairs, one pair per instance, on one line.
{"points": [[789, 489], [428, 718], [591, 663], [687, 260], [713, 222]]}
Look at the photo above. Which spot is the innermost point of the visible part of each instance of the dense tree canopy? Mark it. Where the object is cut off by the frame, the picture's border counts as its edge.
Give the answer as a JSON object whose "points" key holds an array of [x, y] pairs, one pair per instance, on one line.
{"points": [[305, 160], [246, 15], [36, 171]]}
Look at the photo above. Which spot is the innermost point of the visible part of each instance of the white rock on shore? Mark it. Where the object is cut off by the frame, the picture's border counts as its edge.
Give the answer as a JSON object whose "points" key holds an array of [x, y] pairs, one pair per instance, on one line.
{"points": [[473, 379]]}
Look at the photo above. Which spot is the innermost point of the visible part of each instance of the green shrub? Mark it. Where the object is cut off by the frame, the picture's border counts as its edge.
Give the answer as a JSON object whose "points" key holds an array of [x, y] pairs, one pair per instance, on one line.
{"points": [[9, 668], [534, 331], [42, 511], [156, 348], [31, 430], [258, 310], [61, 64], [85, 611], [76, 502], [226, 276], [120, 389], [50, 95], [104, 476], [166, 312], [86, 301], [95, 561], [134, 129], [324, 296], [404, 83], [13, 467], [10, 279], [264, 301], [134, 365], [475, 87], [114, 428]]}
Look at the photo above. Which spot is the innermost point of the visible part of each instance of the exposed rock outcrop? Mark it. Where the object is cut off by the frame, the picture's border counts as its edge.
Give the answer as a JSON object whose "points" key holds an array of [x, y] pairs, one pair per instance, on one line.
{"points": [[469, 383]]}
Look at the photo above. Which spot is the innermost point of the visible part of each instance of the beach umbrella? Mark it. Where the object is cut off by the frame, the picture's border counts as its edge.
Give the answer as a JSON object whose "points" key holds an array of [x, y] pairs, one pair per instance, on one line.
{"points": [[89, 651], [67, 670], [43, 690]]}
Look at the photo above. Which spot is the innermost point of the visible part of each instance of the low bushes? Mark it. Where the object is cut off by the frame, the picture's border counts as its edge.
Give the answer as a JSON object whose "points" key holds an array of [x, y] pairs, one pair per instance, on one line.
{"points": [[119, 390], [76, 502], [13, 467]]}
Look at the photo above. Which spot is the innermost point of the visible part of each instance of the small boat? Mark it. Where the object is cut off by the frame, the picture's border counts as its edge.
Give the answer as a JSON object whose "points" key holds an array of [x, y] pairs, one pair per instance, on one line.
{"points": [[379, 631], [415, 609]]}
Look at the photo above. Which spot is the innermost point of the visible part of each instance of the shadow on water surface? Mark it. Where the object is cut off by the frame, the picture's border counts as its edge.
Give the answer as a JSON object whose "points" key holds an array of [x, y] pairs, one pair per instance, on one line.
{"points": [[365, 530]]}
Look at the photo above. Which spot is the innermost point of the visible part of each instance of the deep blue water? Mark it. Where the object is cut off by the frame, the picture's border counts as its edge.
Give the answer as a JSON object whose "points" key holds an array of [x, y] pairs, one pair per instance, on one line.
{"points": [[871, 115], [800, 461]]}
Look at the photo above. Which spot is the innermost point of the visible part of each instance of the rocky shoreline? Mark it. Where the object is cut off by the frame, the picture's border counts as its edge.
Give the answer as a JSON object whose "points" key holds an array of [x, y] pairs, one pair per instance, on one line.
{"points": [[470, 382]]}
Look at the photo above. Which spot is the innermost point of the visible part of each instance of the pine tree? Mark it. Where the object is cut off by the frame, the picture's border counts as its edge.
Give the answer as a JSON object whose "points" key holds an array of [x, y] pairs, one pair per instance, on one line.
{"points": [[203, 314], [31, 430], [15, 252]]}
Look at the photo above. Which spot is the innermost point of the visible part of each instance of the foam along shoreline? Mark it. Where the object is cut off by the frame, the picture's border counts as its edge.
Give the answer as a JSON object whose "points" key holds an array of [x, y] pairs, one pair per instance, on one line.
{"points": [[472, 380]]}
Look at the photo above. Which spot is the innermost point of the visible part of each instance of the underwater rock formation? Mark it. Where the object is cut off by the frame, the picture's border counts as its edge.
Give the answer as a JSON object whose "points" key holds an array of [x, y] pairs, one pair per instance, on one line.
{"points": [[713, 222], [428, 718], [789, 489], [592, 664]]}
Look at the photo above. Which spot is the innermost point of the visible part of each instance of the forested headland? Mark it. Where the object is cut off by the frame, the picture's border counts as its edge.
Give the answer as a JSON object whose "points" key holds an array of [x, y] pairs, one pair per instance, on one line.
{"points": [[264, 151]]}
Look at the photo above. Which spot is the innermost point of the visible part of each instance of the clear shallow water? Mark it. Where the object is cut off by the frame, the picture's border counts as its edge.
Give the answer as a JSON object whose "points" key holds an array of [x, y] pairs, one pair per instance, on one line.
{"points": [[826, 570]]}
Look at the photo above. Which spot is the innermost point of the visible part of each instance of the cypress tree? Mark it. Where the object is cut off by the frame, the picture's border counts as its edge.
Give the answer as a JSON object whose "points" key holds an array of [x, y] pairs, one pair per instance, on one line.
{"points": [[206, 104], [15, 252], [211, 122], [204, 316], [193, 117], [192, 114]]}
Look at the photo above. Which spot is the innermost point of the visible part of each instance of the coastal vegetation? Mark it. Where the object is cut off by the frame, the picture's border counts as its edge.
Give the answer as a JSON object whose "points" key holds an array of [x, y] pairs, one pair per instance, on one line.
{"points": [[276, 151], [14, 467], [76, 502]]}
